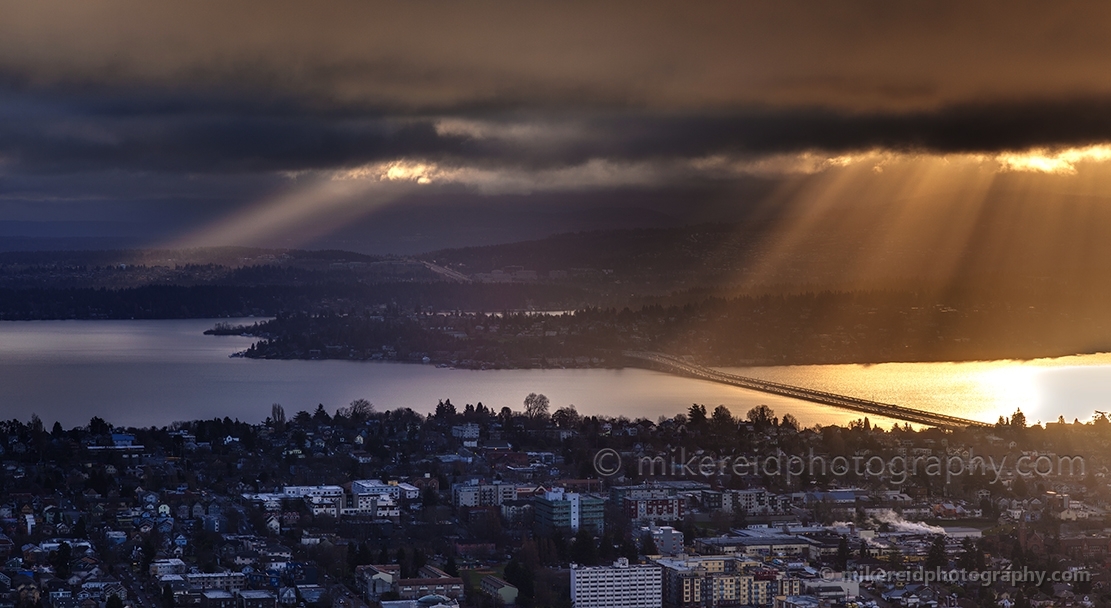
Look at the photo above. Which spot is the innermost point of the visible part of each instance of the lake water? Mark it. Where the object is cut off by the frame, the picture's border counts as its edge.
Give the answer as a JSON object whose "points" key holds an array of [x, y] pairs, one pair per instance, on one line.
{"points": [[155, 372]]}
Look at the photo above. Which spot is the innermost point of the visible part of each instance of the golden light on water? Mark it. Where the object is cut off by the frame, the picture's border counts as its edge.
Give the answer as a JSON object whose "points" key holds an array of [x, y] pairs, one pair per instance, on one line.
{"points": [[1010, 387], [1043, 389], [844, 221], [949, 224]]}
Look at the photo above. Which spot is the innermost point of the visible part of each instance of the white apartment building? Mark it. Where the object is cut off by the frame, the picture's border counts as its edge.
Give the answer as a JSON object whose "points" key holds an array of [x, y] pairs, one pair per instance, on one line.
{"points": [[483, 495], [315, 491], [668, 540], [409, 491], [375, 487], [325, 505], [468, 431], [618, 586], [162, 567], [395, 490], [754, 502], [376, 505]]}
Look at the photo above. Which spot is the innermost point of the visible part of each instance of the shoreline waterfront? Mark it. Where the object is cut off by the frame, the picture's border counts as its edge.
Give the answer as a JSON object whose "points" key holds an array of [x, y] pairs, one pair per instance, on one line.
{"points": [[155, 372]]}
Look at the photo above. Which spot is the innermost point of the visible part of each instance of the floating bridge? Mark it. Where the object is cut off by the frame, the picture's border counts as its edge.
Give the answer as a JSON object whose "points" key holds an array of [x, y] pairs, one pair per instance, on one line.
{"points": [[679, 367]]}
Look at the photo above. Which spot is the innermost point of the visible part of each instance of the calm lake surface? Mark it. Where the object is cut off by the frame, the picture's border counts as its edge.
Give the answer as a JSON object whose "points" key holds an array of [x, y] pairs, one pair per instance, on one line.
{"points": [[155, 372]]}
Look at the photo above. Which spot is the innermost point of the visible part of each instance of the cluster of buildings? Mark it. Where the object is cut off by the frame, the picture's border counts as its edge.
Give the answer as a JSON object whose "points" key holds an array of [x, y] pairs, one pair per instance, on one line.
{"points": [[376, 581], [686, 581], [244, 516], [779, 568], [360, 498], [749, 567], [569, 505], [84, 584]]}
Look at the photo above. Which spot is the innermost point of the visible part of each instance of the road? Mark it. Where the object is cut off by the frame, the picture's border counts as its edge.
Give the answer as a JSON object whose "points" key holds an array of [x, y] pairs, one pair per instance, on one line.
{"points": [[447, 273]]}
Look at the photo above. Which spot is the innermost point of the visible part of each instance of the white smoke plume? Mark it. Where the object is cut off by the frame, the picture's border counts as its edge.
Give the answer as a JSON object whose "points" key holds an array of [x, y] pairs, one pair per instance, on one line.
{"points": [[898, 524]]}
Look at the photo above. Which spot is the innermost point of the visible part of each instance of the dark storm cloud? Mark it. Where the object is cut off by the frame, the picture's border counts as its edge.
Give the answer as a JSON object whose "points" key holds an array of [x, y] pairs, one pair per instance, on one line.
{"points": [[210, 101], [979, 127], [59, 133], [287, 86]]}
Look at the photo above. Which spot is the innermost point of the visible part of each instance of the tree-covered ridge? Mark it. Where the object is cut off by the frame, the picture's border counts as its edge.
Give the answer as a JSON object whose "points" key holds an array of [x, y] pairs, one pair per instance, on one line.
{"points": [[808, 328]]}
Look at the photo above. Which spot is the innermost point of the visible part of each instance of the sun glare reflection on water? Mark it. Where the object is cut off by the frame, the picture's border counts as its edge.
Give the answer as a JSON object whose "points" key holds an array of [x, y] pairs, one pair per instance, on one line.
{"points": [[917, 211], [1043, 389], [155, 372]]}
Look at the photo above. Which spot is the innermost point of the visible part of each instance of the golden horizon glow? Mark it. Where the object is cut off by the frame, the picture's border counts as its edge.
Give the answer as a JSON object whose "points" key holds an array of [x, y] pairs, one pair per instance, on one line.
{"points": [[1059, 161], [1063, 161], [594, 172]]}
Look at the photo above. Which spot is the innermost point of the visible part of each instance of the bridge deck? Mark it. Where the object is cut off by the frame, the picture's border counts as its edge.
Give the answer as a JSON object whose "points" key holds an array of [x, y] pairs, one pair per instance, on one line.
{"points": [[856, 404]]}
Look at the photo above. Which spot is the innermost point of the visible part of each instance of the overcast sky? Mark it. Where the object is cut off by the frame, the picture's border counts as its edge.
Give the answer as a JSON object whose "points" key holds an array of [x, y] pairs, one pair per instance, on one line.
{"points": [[192, 119]]}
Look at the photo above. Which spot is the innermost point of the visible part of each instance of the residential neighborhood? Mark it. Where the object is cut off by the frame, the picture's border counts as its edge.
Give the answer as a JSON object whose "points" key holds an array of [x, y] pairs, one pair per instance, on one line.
{"points": [[471, 507]]}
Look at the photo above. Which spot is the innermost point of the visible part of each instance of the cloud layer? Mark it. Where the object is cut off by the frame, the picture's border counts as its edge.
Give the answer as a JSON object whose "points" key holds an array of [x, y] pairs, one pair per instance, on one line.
{"points": [[44, 134], [265, 86], [226, 101], [442, 56]]}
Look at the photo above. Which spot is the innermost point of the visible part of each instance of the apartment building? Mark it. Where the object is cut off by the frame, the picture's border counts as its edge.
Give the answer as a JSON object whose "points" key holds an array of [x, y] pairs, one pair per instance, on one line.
{"points": [[653, 506], [621, 585], [719, 580], [568, 511], [483, 494]]}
